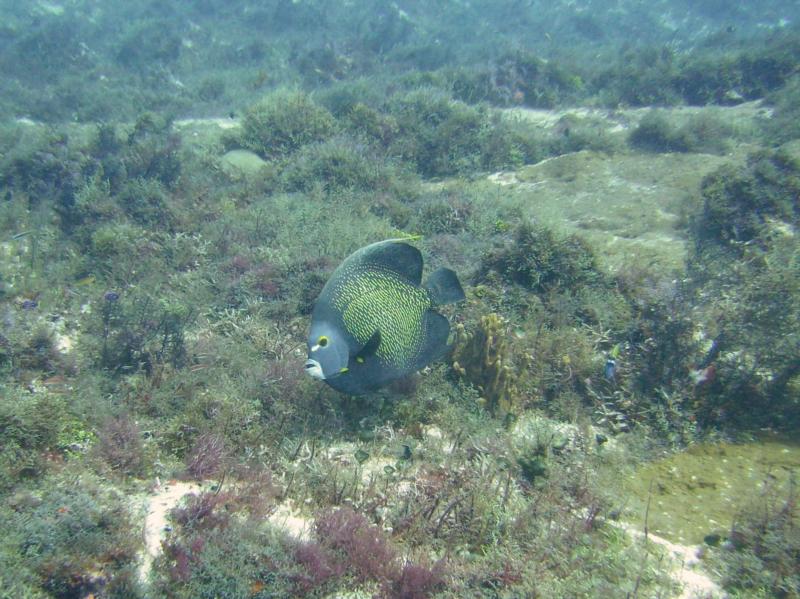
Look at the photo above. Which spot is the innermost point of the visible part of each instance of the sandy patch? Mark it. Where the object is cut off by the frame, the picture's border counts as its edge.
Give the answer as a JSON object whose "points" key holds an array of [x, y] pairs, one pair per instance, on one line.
{"points": [[165, 498], [687, 568], [288, 519], [221, 123], [625, 119]]}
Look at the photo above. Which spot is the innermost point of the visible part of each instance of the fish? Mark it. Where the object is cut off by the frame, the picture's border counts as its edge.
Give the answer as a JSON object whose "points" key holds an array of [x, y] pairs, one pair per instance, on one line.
{"points": [[375, 322], [29, 304], [610, 370]]}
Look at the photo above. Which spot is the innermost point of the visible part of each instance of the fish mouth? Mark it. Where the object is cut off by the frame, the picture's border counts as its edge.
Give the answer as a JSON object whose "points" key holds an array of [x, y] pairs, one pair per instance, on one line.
{"points": [[314, 370]]}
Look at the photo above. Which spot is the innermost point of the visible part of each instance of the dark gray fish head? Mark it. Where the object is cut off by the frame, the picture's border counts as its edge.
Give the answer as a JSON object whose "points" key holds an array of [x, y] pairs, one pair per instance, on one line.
{"points": [[328, 352]]}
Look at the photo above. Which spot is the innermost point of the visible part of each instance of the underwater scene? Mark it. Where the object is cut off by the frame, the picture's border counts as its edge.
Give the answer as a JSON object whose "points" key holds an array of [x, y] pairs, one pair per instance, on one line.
{"points": [[367, 299]]}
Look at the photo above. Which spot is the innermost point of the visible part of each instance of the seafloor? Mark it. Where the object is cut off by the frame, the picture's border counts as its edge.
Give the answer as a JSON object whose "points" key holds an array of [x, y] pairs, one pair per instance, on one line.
{"points": [[617, 414]]}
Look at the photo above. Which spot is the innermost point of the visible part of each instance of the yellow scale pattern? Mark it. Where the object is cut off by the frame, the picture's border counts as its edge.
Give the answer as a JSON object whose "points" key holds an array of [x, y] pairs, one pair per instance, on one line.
{"points": [[376, 299]]}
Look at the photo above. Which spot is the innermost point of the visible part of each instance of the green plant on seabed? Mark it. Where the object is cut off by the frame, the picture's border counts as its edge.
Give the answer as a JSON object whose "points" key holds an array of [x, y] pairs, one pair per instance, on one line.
{"points": [[483, 357], [283, 122]]}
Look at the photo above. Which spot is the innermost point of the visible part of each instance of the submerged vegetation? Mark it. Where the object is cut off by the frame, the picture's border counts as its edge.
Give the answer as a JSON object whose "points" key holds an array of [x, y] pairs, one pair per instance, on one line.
{"points": [[157, 272], [745, 237], [112, 62]]}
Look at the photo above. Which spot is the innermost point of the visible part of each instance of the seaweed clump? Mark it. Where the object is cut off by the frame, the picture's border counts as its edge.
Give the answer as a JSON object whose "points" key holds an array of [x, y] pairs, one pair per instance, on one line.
{"points": [[518, 78], [784, 125], [703, 132], [283, 122], [441, 136], [336, 164], [742, 205], [77, 540], [656, 134], [539, 260], [745, 276], [761, 556], [484, 358]]}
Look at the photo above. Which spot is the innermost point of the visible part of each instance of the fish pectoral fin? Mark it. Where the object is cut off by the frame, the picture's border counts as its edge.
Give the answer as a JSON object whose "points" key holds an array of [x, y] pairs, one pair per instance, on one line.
{"points": [[338, 373], [369, 348]]}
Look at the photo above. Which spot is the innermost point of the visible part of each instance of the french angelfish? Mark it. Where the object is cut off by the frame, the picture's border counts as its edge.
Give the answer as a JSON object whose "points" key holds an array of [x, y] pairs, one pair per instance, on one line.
{"points": [[375, 322]]}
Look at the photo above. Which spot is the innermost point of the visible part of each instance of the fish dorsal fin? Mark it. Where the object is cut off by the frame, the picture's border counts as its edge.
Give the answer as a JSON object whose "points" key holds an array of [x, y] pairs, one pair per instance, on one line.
{"points": [[396, 256], [369, 349]]}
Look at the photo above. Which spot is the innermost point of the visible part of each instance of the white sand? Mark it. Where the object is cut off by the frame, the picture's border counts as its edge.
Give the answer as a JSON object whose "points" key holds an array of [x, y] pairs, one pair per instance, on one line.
{"points": [[164, 499], [687, 570]]}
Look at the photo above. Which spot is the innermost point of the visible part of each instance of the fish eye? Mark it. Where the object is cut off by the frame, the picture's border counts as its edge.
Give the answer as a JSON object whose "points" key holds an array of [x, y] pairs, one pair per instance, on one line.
{"points": [[322, 341]]}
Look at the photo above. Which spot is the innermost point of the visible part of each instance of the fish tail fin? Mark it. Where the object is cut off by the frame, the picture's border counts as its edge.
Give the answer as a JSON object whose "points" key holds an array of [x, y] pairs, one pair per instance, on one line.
{"points": [[444, 287], [437, 331]]}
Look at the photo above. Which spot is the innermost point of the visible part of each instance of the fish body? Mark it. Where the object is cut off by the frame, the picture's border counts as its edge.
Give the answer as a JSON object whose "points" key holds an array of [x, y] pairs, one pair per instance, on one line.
{"points": [[375, 322]]}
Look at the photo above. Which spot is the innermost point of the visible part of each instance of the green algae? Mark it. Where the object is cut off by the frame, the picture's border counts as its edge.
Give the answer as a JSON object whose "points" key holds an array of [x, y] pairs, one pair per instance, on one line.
{"points": [[242, 163], [702, 491], [623, 205]]}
